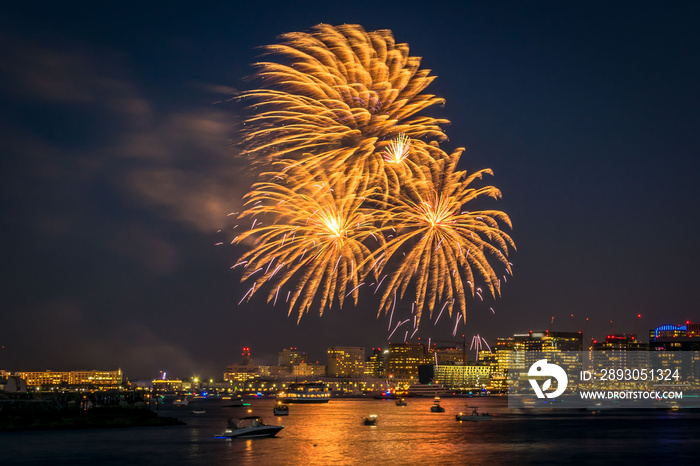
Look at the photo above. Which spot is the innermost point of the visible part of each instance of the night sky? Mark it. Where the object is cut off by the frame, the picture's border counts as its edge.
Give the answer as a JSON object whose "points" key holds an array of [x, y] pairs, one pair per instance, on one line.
{"points": [[119, 166]]}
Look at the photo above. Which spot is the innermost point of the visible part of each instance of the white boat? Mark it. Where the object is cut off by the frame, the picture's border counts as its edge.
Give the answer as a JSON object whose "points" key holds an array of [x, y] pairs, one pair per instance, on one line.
{"points": [[371, 420], [427, 389], [305, 393], [181, 402], [250, 427], [474, 416], [198, 411]]}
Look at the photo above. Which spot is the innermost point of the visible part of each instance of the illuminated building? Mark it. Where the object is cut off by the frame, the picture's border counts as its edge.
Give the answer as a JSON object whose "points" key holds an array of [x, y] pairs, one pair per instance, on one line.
{"points": [[447, 355], [346, 361], [404, 359], [102, 378], [243, 371], [620, 342], [288, 357], [463, 376], [376, 364], [675, 337], [305, 369], [678, 347], [548, 341], [167, 385]]}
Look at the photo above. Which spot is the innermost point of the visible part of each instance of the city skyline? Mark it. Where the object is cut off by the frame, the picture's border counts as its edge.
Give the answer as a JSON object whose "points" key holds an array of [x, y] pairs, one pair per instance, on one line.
{"points": [[120, 171], [445, 350]]}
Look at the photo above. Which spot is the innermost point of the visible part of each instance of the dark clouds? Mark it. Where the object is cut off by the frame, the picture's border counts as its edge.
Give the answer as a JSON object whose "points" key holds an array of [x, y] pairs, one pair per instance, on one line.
{"points": [[119, 167]]}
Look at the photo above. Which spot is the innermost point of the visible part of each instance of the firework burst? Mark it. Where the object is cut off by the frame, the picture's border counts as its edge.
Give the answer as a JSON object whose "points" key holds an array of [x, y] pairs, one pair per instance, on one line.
{"points": [[446, 248], [342, 99], [355, 182], [314, 241]]}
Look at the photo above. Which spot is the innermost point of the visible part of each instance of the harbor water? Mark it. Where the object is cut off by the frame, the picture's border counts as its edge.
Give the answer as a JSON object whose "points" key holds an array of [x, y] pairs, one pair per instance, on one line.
{"points": [[334, 433]]}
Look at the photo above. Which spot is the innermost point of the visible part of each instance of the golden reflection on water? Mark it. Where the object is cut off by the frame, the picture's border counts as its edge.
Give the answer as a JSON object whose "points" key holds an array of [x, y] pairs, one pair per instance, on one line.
{"points": [[334, 433]]}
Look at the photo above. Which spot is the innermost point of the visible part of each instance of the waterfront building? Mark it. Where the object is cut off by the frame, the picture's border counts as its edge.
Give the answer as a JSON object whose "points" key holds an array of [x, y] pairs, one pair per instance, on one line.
{"points": [[404, 359], [101, 378], [346, 361], [306, 369], [167, 385], [463, 376], [243, 371]]}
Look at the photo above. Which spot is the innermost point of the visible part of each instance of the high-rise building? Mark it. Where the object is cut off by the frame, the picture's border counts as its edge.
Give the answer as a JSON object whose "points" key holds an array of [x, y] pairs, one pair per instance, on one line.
{"points": [[243, 371], [548, 341], [376, 363], [289, 357], [678, 347], [675, 337], [346, 361], [620, 342], [404, 359]]}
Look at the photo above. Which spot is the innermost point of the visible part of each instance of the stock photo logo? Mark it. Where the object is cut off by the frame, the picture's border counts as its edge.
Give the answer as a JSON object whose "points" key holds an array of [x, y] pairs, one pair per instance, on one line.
{"points": [[541, 369]]}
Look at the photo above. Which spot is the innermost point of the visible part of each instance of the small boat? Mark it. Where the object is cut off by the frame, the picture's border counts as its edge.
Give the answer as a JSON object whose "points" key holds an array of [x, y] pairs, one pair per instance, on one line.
{"points": [[474, 416], [371, 420], [181, 402], [401, 402], [280, 409], [436, 408], [250, 427], [236, 403], [197, 411]]}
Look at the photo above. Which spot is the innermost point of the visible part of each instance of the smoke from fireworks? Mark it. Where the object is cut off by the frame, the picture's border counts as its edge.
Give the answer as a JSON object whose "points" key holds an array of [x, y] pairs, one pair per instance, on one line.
{"points": [[354, 175]]}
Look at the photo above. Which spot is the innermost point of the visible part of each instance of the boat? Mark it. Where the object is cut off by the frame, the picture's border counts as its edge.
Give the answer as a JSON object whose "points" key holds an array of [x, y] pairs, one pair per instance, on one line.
{"points": [[436, 408], [371, 420], [401, 402], [316, 392], [427, 389], [181, 402], [474, 416], [250, 427], [197, 411], [281, 409], [236, 403]]}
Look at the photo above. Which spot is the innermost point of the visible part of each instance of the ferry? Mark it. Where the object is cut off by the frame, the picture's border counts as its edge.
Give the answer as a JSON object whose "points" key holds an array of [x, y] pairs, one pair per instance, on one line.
{"points": [[305, 393], [427, 389]]}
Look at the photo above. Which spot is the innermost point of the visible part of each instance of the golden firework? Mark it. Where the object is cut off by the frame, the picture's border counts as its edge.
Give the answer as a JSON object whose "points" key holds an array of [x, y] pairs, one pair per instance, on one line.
{"points": [[315, 240], [446, 248], [359, 183], [340, 100]]}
